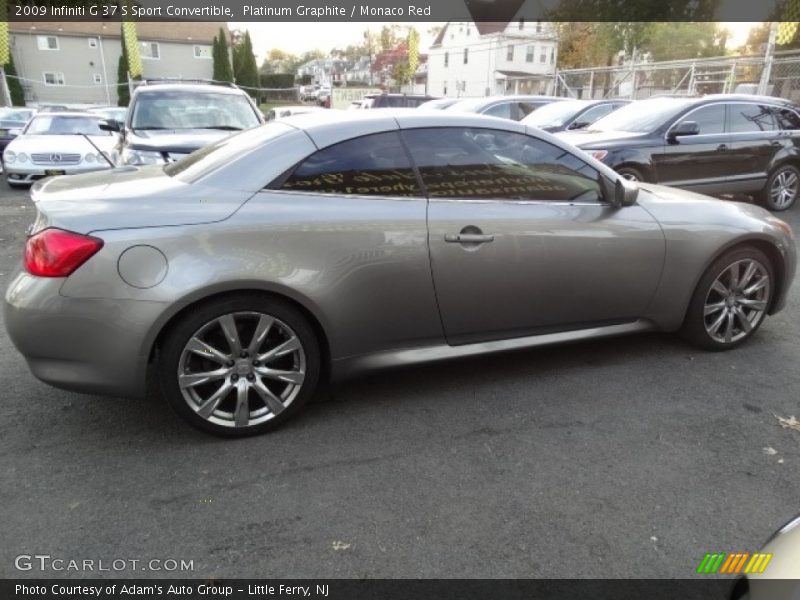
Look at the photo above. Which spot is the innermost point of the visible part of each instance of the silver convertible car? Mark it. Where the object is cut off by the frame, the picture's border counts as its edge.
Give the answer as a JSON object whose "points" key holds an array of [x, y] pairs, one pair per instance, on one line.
{"points": [[329, 243]]}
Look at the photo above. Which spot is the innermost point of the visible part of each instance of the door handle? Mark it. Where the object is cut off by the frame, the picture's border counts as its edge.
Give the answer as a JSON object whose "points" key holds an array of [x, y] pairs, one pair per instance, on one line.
{"points": [[722, 147], [468, 238]]}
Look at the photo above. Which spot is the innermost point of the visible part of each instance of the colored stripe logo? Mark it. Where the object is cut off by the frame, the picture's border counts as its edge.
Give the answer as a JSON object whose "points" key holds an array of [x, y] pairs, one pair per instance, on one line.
{"points": [[733, 563]]}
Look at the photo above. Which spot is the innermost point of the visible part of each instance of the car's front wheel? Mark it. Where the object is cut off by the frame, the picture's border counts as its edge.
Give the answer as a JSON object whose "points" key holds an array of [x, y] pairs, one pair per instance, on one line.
{"points": [[239, 365], [630, 174], [782, 189], [731, 300]]}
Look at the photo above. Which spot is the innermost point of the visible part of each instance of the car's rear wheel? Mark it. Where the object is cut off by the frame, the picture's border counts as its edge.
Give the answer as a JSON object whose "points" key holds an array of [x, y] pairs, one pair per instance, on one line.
{"points": [[782, 189], [731, 300], [630, 174], [239, 365]]}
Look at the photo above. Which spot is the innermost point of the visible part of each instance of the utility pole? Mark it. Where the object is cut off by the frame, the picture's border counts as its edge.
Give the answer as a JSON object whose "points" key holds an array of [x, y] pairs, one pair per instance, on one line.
{"points": [[766, 72]]}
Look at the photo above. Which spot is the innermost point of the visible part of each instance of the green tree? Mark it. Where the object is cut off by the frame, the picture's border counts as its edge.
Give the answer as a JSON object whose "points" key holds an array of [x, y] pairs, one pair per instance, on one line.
{"points": [[678, 40], [14, 86], [222, 70], [245, 69], [123, 91]]}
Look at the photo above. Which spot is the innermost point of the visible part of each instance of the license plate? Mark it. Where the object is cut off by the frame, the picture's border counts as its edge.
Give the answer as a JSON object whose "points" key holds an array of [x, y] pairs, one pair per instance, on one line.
{"points": [[55, 172]]}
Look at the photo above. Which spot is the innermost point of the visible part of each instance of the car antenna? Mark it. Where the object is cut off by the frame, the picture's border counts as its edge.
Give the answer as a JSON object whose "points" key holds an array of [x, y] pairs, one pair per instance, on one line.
{"points": [[103, 154]]}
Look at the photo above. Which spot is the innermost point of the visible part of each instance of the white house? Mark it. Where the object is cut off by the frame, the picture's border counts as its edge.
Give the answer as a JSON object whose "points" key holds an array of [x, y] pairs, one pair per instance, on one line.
{"points": [[485, 59]]}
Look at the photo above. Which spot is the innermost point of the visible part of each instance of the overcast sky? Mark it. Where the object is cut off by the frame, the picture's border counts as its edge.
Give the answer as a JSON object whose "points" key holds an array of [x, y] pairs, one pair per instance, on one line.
{"points": [[300, 37]]}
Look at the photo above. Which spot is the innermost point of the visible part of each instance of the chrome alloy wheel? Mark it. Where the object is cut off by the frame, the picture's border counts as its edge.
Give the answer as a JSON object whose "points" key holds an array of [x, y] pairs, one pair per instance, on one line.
{"points": [[241, 369], [784, 189], [736, 301]]}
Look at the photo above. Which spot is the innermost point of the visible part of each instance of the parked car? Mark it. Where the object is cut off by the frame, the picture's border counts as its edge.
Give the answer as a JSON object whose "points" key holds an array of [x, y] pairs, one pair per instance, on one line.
{"points": [[281, 112], [115, 113], [438, 103], [167, 121], [572, 114], [57, 144], [241, 275], [395, 100], [718, 144], [514, 108], [12, 121]]}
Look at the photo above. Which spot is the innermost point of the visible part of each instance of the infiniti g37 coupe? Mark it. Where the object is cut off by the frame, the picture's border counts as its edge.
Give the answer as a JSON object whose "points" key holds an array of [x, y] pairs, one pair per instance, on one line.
{"points": [[326, 244], [718, 144]]}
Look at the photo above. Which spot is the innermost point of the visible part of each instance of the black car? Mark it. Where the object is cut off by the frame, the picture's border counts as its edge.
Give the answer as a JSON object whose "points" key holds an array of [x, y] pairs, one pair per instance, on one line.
{"points": [[572, 114], [166, 121], [515, 108], [12, 121], [396, 100], [719, 144]]}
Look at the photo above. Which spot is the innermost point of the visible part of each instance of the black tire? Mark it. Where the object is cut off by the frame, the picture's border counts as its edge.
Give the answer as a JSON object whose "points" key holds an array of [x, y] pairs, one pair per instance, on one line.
{"points": [[694, 326], [631, 173], [246, 309], [765, 197]]}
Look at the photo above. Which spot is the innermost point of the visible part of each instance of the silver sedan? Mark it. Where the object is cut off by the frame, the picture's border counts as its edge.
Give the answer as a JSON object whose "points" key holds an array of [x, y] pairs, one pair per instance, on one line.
{"points": [[323, 245]]}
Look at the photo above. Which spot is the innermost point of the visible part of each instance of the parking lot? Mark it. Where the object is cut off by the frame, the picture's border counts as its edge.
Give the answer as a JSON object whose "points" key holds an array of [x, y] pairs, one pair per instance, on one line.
{"points": [[630, 457]]}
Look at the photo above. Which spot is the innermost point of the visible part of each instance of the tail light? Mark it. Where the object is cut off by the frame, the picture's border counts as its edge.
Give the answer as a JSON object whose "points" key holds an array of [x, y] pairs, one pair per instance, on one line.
{"points": [[58, 253]]}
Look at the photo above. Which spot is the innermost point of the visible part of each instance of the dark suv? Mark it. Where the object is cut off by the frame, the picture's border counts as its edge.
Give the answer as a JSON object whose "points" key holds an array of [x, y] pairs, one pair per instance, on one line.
{"points": [[166, 121], [719, 144]]}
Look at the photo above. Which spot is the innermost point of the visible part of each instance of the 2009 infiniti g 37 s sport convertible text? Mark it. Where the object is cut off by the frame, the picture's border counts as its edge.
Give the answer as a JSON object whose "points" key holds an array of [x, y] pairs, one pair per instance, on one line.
{"points": [[329, 243]]}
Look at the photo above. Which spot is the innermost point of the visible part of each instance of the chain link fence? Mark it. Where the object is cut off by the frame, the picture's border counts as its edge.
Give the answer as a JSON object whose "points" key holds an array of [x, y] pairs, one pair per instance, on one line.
{"points": [[777, 75]]}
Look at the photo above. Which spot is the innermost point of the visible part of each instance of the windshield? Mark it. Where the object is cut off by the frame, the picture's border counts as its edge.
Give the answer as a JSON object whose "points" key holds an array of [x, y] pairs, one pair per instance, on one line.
{"points": [[20, 116], [555, 114], [192, 110], [64, 125], [641, 117], [212, 157]]}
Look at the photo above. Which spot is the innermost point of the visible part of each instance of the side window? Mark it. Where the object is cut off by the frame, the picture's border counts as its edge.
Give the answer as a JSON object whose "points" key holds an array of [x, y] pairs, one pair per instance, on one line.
{"points": [[750, 117], [591, 115], [526, 108], [373, 165], [710, 119], [477, 163], [786, 118], [500, 110]]}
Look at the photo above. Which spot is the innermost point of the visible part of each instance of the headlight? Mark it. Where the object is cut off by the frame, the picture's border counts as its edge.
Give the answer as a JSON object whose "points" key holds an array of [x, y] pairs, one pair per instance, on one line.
{"points": [[141, 157], [598, 154], [22, 157], [9, 156]]}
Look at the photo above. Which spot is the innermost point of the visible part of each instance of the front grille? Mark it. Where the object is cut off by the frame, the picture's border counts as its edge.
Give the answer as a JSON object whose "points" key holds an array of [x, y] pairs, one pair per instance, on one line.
{"points": [[56, 159]]}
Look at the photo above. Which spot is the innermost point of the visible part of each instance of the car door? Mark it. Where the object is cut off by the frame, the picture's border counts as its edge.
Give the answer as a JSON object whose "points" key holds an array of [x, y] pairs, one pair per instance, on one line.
{"points": [[755, 138], [697, 162], [521, 241]]}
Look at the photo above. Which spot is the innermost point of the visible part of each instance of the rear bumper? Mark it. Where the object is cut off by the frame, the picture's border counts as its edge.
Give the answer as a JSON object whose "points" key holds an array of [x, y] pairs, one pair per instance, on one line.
{"points": [[94, 346]]}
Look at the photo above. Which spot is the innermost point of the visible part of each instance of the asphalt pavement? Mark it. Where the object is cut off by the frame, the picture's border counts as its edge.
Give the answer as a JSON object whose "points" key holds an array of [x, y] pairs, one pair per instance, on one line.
{"points": [[630, 457]]}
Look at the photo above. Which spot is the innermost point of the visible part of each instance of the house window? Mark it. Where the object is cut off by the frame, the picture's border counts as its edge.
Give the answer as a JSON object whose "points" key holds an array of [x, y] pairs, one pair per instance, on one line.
{"points": [[510, 53], [98, 78], [446, 59], [92, 42], [202, 52], [149, 50], [521, 24], [54, 78], [543, 55], [47, 42], [530, 52], [444, 92], [466, 55], [539, 26], [552, 56]]}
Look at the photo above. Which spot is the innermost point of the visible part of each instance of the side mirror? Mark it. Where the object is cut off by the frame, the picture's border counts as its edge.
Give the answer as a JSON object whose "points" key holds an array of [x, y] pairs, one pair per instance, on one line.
{"points": [[683, 128], [625, 192], [110, 125]]}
